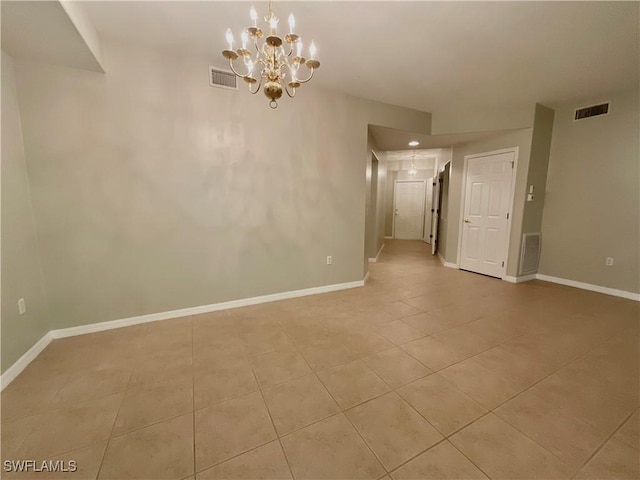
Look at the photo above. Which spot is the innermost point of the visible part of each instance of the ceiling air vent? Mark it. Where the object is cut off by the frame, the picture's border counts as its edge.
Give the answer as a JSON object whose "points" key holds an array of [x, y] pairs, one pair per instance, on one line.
{"points": [[530, 255], [592, 111], [222, 79]]}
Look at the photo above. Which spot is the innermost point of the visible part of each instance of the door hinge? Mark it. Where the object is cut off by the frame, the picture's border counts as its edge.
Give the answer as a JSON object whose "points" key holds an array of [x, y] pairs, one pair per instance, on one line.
{"points": [[507, 216], [432, 210], [503, 264]]}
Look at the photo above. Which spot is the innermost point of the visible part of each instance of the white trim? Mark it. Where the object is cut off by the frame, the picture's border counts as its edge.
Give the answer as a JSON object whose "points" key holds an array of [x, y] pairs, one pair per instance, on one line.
{"points": [[445, 263], [388, 238], [244, 302], [515, 151], [14, 370], [521, 279], [589, 286], [365, 279], [374, 260]]}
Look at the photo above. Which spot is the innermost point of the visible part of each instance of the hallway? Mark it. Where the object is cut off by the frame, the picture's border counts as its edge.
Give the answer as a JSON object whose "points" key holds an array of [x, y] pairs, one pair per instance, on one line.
{"points": [[426, 372]]}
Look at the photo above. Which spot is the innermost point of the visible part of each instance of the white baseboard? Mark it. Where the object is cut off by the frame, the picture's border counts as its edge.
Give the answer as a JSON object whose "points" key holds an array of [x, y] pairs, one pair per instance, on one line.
{"points": [[374, 260], [445, 263], [524, 278], [366, 278], [388, 238], [14, 370], [589, 286]]}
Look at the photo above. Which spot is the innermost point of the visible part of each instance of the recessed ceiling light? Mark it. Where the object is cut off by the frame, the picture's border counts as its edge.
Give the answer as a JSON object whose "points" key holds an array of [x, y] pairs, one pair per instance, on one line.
{"points": [[414, 143]]}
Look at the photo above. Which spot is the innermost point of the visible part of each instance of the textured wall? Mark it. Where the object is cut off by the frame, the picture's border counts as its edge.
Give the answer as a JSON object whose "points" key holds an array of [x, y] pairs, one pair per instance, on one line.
{"points": [[154, 192], [21, 268], [592, 205]]}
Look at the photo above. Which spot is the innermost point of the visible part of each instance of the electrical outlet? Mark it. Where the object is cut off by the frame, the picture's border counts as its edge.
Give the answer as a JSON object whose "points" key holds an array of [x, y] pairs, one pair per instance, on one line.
{"points": [[329, 260], [609, 262], [22, 307]]}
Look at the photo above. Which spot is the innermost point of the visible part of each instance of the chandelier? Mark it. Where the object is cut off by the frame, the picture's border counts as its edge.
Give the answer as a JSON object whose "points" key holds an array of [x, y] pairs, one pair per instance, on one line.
{"points": [[412, 170], [270, 59]]}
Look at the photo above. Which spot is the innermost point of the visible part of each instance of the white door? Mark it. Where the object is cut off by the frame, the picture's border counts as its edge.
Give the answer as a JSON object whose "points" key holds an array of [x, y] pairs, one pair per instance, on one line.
{"points": [[428, 206], [485, 233], [409, 210]]}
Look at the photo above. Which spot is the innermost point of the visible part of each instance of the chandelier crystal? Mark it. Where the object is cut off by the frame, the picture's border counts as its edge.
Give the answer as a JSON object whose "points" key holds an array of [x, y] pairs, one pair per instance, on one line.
{"points": [[271, 63], [412, 170]]}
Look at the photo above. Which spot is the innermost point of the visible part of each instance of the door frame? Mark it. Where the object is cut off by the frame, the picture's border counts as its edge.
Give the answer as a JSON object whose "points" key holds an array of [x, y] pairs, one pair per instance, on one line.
{"points": [[395, 184], [515, 151]]}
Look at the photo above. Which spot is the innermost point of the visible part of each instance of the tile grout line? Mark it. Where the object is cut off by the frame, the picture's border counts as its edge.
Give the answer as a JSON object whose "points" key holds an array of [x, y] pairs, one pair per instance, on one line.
{"points": [[193, 397], [536, 383], [597, 450], [273, 424], [344, 414], [342, 411], [115, 418]]}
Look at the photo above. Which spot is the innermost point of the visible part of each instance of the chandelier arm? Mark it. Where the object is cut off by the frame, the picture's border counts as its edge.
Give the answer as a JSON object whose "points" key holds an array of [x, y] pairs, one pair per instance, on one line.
{"points": [[257, 88], [234, 70], [286, 89], [309, 78]]}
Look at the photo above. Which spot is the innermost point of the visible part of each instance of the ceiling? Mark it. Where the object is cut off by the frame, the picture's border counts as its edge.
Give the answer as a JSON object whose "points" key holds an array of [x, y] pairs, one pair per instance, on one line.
{"points": [[430, 56], [45, 31], [392, 139]]}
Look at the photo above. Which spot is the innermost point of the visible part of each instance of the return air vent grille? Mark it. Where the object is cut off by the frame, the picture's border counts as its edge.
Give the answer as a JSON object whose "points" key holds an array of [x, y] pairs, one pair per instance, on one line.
{"points": [[592, 111], [530, 255], [222, 79]]}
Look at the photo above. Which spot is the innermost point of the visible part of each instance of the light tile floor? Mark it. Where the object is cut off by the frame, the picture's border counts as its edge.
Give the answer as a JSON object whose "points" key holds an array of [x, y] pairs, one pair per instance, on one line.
{"points": [[427, 372]]}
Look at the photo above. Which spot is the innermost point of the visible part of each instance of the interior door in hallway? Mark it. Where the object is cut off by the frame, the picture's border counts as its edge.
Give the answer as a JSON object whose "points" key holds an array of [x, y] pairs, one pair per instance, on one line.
{"points": [[428, 213], [485, 231], [409, 209]]}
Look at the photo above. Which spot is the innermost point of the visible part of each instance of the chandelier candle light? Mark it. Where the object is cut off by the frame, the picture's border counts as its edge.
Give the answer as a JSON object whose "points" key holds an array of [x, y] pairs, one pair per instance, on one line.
{"points": [[271, 58]]}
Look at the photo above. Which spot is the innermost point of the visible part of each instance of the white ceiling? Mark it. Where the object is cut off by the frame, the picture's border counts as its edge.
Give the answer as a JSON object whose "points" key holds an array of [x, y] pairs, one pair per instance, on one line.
{"points": [[431, 56], [44, 31]]}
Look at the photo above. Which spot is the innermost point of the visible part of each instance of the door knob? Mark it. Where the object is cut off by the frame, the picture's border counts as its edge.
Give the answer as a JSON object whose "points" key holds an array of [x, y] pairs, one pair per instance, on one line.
{"points": [[466, 220]]}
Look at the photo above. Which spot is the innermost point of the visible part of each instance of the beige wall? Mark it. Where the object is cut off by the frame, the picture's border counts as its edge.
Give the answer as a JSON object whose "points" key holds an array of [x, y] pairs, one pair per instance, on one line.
{"points": [[21, 268], [444, 178], [380, 208], [592, 206], [537, 173], [522, 140], [468, 119], [375, 203], [155, 192]]}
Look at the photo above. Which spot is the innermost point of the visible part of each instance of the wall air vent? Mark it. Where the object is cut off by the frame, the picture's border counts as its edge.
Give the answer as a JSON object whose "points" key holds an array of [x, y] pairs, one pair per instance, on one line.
{"points": [[592, 111], [530, 255], [222, 79]]}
